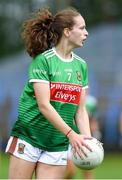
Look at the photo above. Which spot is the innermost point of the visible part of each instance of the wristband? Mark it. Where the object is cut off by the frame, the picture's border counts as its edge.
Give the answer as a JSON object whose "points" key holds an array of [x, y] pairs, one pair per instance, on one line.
{"points": [[68, 132]]}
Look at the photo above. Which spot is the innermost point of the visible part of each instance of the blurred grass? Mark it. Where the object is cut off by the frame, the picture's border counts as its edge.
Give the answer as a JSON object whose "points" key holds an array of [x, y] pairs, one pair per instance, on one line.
{"points": [[4, 159], [111, 168]]}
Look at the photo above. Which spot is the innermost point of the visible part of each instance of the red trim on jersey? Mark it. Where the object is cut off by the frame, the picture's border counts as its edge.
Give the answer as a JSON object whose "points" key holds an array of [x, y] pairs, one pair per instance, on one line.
{"points": [[13, 145], [64, 92]]}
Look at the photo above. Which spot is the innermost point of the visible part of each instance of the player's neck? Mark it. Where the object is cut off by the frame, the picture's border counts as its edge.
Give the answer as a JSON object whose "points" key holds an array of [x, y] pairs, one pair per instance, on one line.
{"points": [[63, 50]]}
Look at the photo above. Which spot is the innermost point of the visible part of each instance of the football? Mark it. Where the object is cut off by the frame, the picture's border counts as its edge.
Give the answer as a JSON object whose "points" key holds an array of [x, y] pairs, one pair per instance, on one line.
{"points": [[94, 158]]}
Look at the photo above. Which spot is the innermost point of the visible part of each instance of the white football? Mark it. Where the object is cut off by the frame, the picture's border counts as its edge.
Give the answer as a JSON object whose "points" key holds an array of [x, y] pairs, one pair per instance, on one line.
{"points": [[93, 158]]}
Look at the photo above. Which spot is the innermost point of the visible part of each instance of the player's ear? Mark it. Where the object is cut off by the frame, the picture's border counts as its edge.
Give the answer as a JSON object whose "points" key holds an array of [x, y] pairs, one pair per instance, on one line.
{"points": [[66, 32]]}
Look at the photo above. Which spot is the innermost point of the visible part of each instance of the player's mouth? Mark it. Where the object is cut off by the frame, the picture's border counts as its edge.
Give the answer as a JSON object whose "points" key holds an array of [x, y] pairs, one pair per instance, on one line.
{"points": [[83, 41]]}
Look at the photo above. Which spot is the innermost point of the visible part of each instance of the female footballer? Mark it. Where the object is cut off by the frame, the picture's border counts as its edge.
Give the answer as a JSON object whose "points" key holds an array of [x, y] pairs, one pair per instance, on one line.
{"points": [[52, 99]]}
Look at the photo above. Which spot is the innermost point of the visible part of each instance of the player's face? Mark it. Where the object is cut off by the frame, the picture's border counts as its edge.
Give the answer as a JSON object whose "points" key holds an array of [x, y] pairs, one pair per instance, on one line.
{"points": [[78, 33]]}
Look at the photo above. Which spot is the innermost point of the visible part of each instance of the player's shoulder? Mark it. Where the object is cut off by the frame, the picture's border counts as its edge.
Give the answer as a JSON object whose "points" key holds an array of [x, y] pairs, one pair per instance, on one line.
{"points": [[48, 53], [78, 58], [43, 57]]}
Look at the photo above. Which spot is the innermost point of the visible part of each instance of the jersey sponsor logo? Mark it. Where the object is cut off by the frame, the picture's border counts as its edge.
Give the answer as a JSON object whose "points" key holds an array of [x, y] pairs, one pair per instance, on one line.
{"points": [[57, 73], [64, 92], [36, 71]]}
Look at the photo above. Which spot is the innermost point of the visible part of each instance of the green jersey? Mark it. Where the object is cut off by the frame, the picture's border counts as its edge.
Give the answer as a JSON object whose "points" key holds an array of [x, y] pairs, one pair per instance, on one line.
{"points": [[66, 79]]}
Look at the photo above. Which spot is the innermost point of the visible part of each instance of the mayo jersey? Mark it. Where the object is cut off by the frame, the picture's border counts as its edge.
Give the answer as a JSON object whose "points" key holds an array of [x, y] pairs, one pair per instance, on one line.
{"points": [[66, 79]]}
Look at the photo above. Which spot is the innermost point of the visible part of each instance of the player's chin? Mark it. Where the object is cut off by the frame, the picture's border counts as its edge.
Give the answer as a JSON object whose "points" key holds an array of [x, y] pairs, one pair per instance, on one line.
{"points": [[79, 45], [82, 43]]}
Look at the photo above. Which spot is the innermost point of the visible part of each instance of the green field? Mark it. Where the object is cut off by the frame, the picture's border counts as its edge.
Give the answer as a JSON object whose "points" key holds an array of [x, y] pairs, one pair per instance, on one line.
{"points": [[111, 168]]}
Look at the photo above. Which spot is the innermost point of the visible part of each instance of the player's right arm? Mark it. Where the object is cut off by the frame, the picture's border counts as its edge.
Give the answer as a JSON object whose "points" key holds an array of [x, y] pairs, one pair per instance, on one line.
{"points": [[42, 93], [39, 75]]}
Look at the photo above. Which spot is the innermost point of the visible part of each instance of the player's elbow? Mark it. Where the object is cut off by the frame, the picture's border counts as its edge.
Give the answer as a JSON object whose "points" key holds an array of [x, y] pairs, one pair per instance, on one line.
{"points": [[44, 107]]}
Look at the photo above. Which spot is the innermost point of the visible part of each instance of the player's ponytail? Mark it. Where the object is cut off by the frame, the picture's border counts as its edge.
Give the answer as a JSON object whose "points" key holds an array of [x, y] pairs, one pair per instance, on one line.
{"points": [[38, 33], [45, 30]]}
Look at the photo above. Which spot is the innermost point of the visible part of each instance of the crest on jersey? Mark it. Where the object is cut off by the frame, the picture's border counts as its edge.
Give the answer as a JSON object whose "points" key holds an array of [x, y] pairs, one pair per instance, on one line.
{"points": [[21, 148], [78, 75]]}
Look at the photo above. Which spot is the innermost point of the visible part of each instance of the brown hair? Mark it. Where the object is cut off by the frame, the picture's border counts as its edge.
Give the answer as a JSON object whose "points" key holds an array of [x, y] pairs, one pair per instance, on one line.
{"points": [[45, 30]]}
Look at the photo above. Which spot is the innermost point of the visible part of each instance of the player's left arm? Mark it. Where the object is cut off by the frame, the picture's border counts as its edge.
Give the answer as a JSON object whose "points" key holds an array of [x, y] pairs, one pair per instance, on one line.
{"points": [[81, 117]]}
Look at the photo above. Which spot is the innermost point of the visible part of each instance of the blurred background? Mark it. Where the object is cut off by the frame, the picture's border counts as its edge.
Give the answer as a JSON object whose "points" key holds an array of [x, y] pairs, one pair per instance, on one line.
{"points": [[102, 51]]}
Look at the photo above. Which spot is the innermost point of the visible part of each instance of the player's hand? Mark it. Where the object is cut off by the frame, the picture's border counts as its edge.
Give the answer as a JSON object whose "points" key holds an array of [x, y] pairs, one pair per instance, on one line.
{"points": [[78, 144]]}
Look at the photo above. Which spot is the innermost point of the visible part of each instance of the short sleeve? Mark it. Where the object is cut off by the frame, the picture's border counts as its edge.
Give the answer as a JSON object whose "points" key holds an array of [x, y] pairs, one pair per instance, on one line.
{"points": [[38, 70], [84, 75]]}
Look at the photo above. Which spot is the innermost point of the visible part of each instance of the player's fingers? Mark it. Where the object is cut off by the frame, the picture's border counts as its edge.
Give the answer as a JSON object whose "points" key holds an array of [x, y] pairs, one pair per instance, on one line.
{"points": [[87, 137], [81, 151], [84, 152], [87, 146], [78, 152], [81, 154]]}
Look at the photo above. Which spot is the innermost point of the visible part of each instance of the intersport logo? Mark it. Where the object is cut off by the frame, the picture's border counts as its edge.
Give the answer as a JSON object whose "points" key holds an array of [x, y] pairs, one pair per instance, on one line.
{"points": [[64, 92]]}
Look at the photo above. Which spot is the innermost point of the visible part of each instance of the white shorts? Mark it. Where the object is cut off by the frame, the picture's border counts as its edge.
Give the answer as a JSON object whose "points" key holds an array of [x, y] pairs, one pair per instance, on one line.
{"points": [[26, 151], [70, 152]]}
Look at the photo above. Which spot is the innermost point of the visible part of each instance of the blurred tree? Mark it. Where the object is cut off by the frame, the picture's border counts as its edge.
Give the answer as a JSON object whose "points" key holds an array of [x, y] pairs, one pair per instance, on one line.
{"points": [[56, 5], [97, 11], [13, 12]]}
